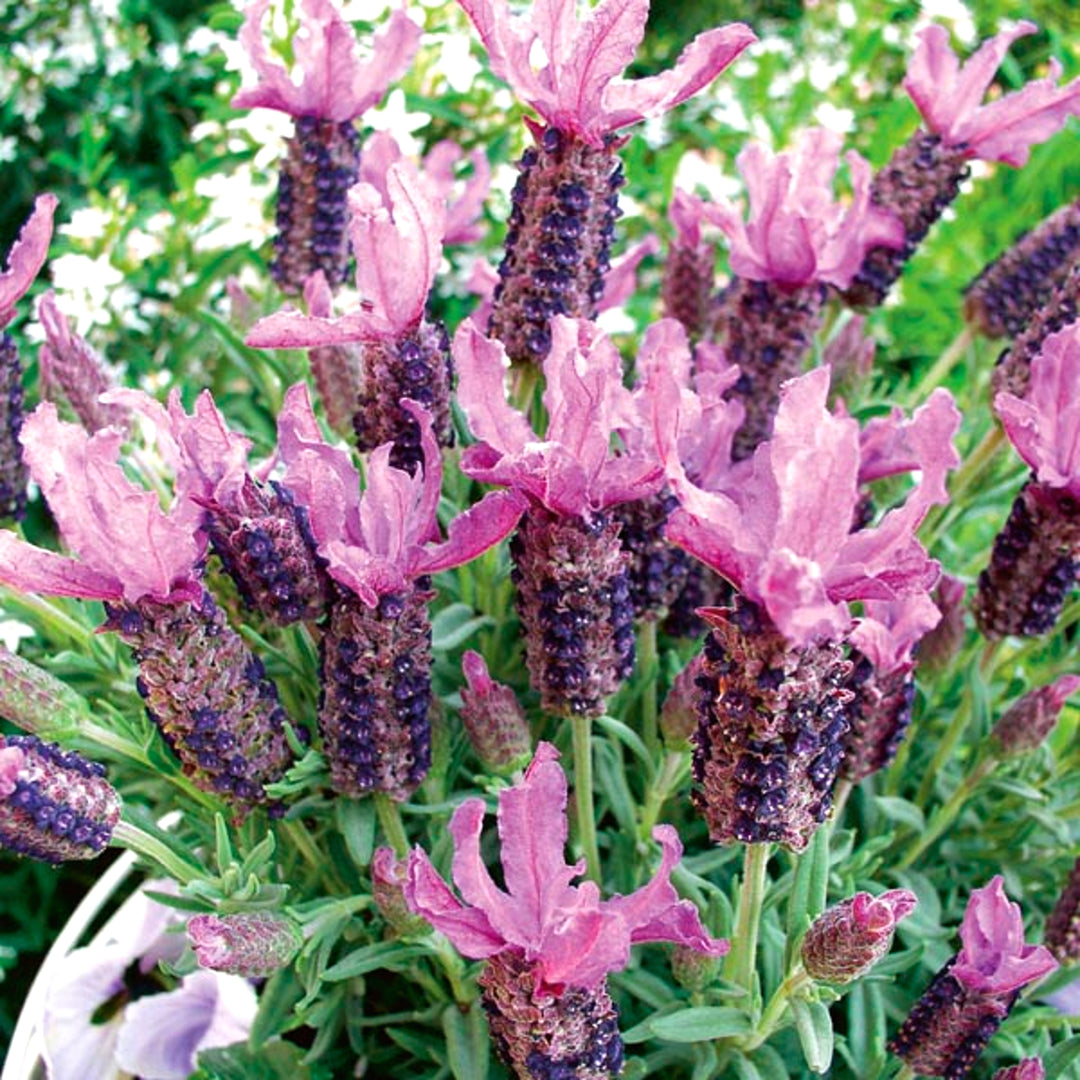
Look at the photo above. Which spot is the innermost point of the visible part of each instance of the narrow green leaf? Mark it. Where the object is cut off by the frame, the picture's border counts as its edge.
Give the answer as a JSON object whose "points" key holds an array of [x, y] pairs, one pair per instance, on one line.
{"points": [[700, 1024], [901, 811], [390, 955], [454, 625], [356, 823], [466, 1042], [814, 1025], [809, 886], [1059, 1058]]}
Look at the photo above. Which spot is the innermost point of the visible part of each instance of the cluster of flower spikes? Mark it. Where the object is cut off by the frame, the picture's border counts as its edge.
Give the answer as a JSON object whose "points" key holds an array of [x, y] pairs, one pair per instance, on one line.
{"points": [[565, 202], [24, 261], [54, 804], [548, 945], [1033, 563], [375, 651], [1009, 291], [970, 997], [571, 572], [322, 157], [923, 176], [797, 244], [203, 687], [397, 223], [773, 711]]}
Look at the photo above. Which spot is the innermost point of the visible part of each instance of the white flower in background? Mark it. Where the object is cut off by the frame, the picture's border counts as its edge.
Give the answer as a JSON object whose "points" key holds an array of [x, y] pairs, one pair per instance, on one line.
{"points": [[89, 287]]}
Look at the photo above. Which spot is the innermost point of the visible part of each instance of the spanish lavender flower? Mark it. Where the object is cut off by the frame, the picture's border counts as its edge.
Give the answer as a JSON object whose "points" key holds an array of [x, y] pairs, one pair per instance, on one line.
{"points": [[1028, 721], [1028, 1069], [1012, 372], [250, 944], [1010, 290], [34, 700], [690, 269], [256, 528], [566, 197], [54, 804], [71, 369], [24, 261], [571, 572], [203, 688], [797, 242], [376, 647], [397, 229], [322, 157], [773, 713], [493, 718], [1062, 936], [849, 938], [1033, 563], [388, 880], [923, 176], [548, 944], [972, 994]]}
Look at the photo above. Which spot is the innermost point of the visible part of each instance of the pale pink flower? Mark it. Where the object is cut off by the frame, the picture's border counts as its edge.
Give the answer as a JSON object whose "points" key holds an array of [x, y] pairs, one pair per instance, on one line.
{"points": [[335, 83], [571, 936], [578, 87], [27, 256], [797, 233], [949, 96]]}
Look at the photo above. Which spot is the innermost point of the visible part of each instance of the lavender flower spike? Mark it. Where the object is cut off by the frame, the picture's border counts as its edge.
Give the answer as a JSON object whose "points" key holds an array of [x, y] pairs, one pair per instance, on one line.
{"points": [[396, 225], [54, 804], [376, 649], [493, 718], [251, 944], [968, 999], [848, 939], [548, 944], [322, 157], [1033, 563], [924, 174], [1029, 721], [24, 261]]}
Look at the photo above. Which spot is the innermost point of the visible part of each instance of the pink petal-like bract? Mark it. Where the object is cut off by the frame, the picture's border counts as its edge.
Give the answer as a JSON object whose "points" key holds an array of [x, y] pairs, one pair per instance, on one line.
{"points": [[572, 936], [27, 256], [949, 96], [335, 83]]}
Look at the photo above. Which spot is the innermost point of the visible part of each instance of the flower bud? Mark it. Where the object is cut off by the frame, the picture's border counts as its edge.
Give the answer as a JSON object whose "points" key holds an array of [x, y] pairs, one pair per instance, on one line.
{"points": [[848, 939], [252, 944], [938, 647], [1028, 1069], [388, 892], [493, 718], [679, 713], [1031, 719], [694, 970], [34, 700]]}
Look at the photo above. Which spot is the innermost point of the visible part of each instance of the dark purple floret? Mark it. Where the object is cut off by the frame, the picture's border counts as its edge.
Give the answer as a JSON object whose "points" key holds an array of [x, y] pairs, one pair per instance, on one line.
{"points": [[1062, 935], [14, 475], [658, 571], [879, 714]]}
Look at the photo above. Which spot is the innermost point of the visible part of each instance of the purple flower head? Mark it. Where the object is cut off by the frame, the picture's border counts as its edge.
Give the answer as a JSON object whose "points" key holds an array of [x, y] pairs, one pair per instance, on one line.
{"points": [[797, 233], [396, 230], [782, 533], [578, 88], [994, 959], [335, 84], [128, 547], [572, 936], [571, 471], [949, 96], [27, 256], [1045, 425], [376, 542]]}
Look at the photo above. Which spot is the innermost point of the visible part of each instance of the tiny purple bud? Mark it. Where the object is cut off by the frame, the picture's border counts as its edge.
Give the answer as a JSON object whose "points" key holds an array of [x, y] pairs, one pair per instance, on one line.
{"points": [[493, 718], [388, 876], [849, 938], [251, 944], [1028, 1069], [679, 713], [1031, 719]]}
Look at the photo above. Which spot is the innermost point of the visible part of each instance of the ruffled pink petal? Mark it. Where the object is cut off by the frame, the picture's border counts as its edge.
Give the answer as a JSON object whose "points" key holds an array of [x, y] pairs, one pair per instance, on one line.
{"points": [[468, 929], [318, 296], [687, 212], [291, 329], [471, 533], [27, 256], [890, 629], [792, 588], [422, 525], [508, 40], [620, 283], [386, 506], [34, 570], [465, 198], [581, 949], [117, 529]]}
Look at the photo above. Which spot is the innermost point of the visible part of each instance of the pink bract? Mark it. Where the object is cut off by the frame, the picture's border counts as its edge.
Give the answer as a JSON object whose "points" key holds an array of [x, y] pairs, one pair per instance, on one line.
{"points": [[377, 541], [578, 87], [127, 545], [1045, 425], [890, 629], [782, 533], [396, 232], [797, 233], [572, 936], [949, 96], [335, 84], [994, 959], [27, 256]]}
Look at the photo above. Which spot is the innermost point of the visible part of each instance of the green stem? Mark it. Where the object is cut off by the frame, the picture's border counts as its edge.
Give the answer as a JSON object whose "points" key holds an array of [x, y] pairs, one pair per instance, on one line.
{"points": [[742, 960], [583, 794], [667, 780], [57, 623], [945, 747], [791, 987], [131, 836], [946, 814], [841, 794], [389, 814], [943, 365], [650, 673]]}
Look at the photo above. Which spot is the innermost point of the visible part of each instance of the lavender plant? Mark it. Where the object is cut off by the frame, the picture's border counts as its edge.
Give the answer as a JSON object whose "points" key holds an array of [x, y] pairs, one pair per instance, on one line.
{"points": [[334, 658]]}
